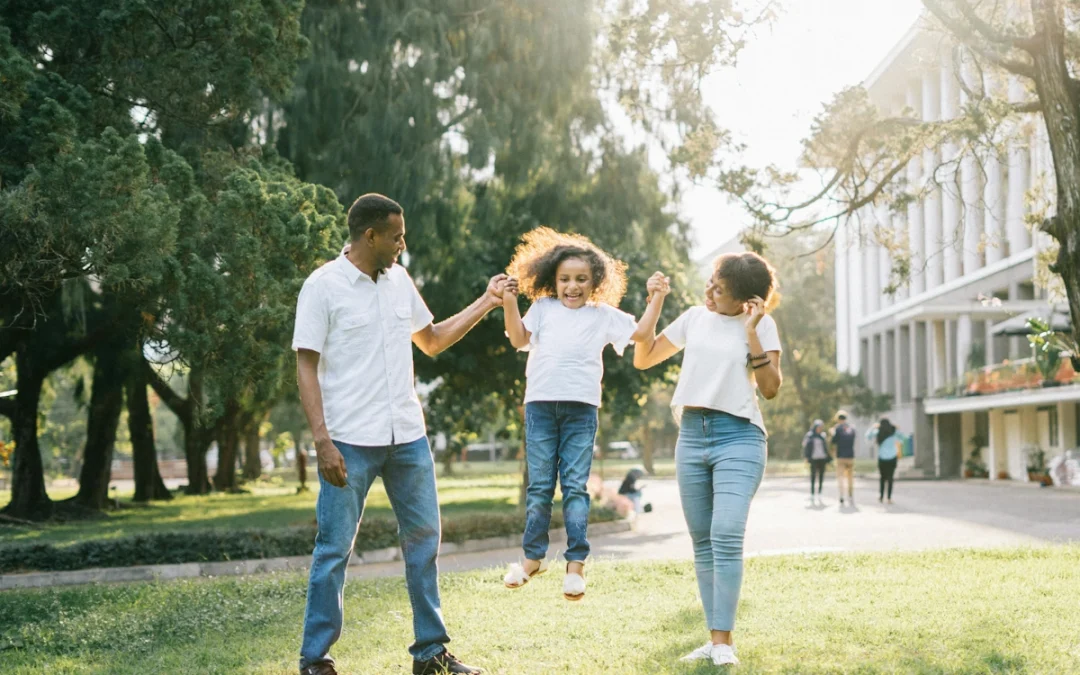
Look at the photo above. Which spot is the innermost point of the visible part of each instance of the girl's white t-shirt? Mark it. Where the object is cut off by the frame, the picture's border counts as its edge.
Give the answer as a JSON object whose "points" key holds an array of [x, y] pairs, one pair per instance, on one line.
{"points": [[566, 349], [715, 373]]}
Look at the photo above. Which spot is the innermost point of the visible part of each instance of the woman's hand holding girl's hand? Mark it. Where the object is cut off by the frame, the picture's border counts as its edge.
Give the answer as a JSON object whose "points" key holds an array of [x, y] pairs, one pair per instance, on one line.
{"points": [[657, 283], [755, 309]]}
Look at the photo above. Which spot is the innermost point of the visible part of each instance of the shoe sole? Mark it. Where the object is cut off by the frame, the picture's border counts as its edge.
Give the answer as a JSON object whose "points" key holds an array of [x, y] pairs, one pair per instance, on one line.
{"points": [[573, 598]]}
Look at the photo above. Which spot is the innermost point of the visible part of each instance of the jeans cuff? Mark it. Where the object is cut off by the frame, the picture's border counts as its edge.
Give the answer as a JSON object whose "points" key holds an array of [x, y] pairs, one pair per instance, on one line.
{"points": [[431, 652]]}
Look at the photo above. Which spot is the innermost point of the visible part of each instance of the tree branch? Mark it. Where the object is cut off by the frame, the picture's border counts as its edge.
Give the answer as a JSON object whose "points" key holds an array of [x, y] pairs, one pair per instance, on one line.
{"points": [[974, 39], [175, 402]]}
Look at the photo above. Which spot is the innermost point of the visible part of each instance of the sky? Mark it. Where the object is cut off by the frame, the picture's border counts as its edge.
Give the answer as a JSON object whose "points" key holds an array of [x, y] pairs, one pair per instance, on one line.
{"points": [[784, 77]]}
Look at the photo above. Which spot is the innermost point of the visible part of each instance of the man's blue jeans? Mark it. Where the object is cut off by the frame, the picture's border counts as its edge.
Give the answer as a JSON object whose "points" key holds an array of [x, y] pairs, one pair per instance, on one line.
{"points": [[559, 439], [408, 474], [719, 463]]}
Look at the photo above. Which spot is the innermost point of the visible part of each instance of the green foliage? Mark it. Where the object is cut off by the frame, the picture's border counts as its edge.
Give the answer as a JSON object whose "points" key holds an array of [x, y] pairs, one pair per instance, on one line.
{"points": [[161, 548], [1046, 346]]}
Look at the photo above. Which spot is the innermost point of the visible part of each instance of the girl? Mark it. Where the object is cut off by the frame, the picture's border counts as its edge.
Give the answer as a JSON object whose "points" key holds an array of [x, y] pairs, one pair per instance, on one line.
{"points": [[732, 348], [575, 288], [888, 441]]}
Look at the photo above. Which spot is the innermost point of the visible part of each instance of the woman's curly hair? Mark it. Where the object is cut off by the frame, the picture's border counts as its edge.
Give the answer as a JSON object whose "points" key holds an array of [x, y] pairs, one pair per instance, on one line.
{"points": [[542, 250], [746, 275]]}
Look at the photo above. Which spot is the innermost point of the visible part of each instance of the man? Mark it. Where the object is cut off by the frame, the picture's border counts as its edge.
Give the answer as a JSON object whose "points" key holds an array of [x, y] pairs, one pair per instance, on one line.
{"points": [[356, 321], [843, 439]]}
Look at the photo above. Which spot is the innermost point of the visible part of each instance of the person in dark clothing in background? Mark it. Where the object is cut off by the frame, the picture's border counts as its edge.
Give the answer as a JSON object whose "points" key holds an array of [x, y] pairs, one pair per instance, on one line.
{"points": [[888, 441], [843, 439], [815, 450], [632, 490]]}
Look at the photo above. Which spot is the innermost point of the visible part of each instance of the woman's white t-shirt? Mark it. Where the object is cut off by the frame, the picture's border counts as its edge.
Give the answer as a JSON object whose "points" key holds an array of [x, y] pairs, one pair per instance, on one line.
{"points": [[715, 373], [566, 349]]}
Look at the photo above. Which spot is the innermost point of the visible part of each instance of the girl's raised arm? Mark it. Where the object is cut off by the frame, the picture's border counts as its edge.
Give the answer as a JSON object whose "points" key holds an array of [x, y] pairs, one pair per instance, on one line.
{"points": [[648, 349], [515, 327]]}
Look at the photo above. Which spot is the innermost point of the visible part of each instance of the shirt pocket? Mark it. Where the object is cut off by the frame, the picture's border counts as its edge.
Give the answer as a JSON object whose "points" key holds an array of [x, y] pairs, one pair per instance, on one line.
{"points": [[355, 330], [403, 318]]}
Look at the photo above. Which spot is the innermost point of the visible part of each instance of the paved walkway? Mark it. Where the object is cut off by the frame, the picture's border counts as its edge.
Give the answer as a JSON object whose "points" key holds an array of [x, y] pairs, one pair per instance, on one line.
{"points": [[926, 515]]}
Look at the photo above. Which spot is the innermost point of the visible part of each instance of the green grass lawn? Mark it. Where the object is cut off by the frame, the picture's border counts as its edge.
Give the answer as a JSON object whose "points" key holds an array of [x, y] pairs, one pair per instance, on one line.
{"points": [[1005, 611], [270, 504]]}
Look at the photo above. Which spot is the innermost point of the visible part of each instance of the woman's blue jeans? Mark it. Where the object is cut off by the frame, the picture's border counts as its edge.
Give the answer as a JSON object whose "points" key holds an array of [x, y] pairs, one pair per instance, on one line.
{"points": [[719, 462], [559, 438]]}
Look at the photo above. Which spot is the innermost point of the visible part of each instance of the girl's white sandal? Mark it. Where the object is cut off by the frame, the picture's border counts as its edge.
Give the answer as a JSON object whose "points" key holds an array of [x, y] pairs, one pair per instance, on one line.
{"points": [[573, 587], [516, 576]]}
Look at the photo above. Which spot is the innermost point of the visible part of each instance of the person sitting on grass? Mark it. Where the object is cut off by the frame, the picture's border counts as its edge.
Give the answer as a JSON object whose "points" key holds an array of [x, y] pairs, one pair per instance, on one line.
{"points": [[575, 289]]}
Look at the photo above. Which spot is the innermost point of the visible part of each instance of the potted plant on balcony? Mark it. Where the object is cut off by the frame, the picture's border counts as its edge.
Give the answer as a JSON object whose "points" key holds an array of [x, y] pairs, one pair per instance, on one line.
{"points": [[974, 466], [1046, 350], [1036, 467]]}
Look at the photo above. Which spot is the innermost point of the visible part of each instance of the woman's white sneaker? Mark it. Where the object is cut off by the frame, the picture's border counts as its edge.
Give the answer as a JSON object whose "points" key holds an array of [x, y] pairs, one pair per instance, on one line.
{"points": [[724, 655], [700, 654]]}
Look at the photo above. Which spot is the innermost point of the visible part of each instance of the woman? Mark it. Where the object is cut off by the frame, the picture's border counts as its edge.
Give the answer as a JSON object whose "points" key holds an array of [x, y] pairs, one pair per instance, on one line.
{"points": [[815, 450], [732, 351], [888, 440]]}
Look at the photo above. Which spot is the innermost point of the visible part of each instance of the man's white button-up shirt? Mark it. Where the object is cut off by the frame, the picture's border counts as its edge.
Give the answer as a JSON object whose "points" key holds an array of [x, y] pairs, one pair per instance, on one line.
{"points": [[362, 331]]}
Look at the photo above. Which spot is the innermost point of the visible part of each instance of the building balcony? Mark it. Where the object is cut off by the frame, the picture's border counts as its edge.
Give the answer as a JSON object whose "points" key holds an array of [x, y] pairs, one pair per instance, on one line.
{"points": [[1009, 376]]}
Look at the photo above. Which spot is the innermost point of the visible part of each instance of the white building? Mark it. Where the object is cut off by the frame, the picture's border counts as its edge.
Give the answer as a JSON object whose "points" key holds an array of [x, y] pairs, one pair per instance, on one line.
{"points": [[968, 245]]}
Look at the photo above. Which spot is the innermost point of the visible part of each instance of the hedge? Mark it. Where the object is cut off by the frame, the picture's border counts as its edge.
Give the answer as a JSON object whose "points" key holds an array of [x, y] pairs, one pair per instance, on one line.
{"points": [[216, 545]]}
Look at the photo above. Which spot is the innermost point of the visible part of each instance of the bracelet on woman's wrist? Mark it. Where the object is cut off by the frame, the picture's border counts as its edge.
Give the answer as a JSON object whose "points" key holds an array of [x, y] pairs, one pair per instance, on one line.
{"points": [[760, 365], [759, 357]]}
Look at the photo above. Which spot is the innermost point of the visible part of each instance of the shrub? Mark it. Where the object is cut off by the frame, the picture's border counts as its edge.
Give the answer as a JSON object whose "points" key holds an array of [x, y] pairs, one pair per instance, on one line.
{"points": [[221, 545]]}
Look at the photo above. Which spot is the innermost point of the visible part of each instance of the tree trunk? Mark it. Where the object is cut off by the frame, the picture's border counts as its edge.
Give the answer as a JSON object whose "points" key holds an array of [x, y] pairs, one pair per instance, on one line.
{"points": [[106, 402], [29, 500], [301, 463], [148, 483], [228, 439], [196, 442], [648, 450], [252, 460]]}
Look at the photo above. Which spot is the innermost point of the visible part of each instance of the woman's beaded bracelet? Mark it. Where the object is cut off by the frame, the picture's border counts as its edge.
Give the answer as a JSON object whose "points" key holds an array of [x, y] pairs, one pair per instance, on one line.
{"points": [[760, 365], [760, 357]]}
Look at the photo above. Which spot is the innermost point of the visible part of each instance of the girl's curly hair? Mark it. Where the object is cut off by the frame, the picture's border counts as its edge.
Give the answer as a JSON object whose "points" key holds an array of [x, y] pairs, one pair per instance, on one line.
{"points": [[542, 250], [746, 275]]}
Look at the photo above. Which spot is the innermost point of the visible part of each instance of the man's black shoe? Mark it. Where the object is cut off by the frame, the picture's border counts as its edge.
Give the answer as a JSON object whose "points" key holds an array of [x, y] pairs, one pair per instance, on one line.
{"points": [[321, 668], [441, 664]]}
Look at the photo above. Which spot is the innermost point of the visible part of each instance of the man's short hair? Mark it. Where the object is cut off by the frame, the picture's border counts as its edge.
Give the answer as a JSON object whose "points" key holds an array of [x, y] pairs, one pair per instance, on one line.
{"points": [[371, 211]]}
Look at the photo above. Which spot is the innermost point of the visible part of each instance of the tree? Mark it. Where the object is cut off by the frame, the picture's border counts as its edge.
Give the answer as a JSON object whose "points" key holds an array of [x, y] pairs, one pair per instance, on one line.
{"points": [[117, 152], [1014, 62]]}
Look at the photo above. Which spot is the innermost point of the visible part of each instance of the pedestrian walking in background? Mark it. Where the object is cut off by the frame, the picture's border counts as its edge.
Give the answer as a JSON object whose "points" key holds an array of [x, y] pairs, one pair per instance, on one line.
{"points": [[816, 452]]}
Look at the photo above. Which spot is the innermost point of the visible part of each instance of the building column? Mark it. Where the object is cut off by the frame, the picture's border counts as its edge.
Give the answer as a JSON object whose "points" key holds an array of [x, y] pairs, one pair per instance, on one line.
{"points": [[951, 222], [919, 359], [884, 261], [963, 344], [994, 212], [1019, 180], [997, 443], [937, 348], [901, 386], [932, 246], [857, 295], [843, 298], [915, 209]]}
